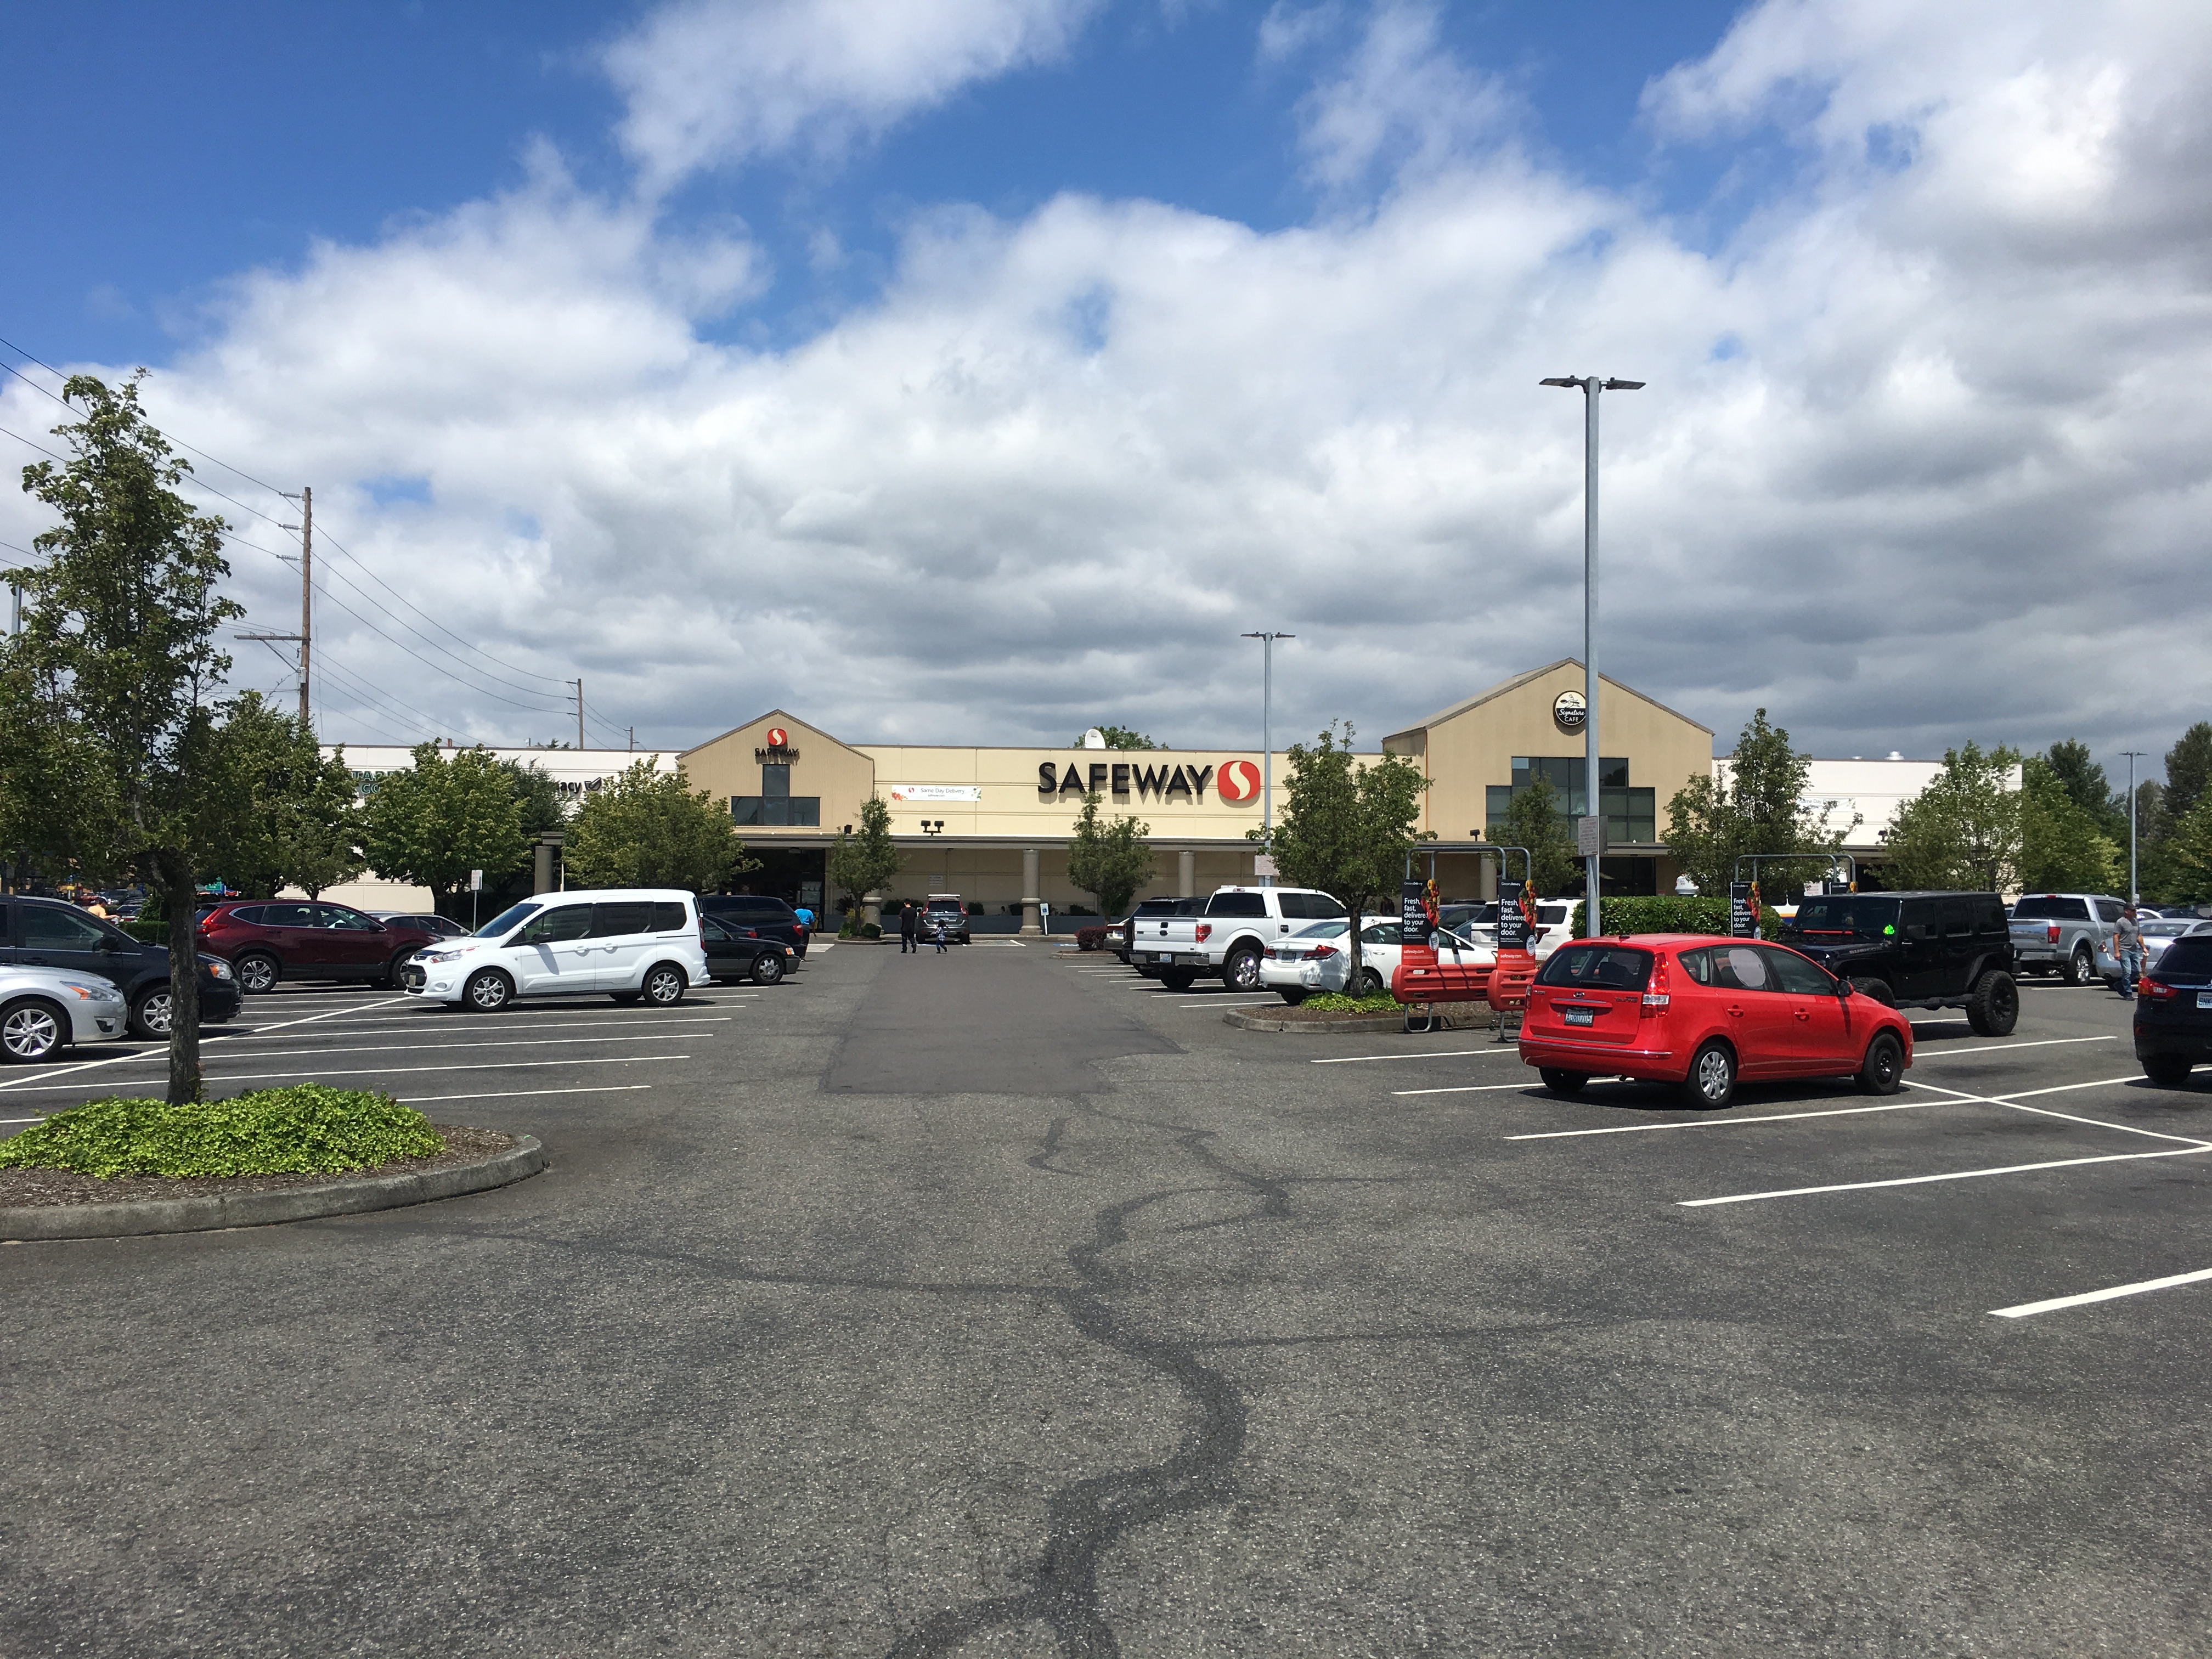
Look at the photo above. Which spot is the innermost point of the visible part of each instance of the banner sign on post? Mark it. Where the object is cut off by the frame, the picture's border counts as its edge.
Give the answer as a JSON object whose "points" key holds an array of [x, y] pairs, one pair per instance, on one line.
{"points": [[1413, 914], [1590, 837], [476, 881], [1512, 920], [1743, 915]]}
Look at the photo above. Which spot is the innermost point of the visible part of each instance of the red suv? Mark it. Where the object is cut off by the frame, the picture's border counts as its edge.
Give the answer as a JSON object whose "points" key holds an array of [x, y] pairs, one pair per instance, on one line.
{"points": [[1700, 1012], [270, 940]]}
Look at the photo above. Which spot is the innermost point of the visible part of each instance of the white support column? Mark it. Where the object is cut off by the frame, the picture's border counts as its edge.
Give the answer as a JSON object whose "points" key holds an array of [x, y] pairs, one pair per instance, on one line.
{"points": [[1186, 874], [1030, 897]]}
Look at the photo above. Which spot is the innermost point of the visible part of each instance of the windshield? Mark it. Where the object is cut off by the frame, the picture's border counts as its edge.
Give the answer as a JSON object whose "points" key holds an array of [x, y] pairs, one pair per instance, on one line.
{"points": [[2050, 908], [513, 916], [1854, 914], [1607, 967], [2165, 929], [1324, 930]]}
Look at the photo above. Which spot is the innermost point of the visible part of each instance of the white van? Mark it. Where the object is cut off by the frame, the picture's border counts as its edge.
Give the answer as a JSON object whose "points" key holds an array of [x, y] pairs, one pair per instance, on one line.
{"points": [[631, 942]]}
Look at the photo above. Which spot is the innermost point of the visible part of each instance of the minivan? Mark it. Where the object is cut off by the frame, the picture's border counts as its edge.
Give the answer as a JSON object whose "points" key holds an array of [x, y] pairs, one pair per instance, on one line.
{"points": [[634, 943]]}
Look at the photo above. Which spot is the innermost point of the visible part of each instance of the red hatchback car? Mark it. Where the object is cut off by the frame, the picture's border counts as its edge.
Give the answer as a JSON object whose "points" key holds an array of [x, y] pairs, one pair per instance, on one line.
{"points": [[1701, 1012], [269, 939]]}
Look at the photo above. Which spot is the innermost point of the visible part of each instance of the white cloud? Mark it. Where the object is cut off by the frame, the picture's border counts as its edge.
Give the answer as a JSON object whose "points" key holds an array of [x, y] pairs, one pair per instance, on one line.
{"points": [[1402, 103], [1924, 453], [723, 81]]}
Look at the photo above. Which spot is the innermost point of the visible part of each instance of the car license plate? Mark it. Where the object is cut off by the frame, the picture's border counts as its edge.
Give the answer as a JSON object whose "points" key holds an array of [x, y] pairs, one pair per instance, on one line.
{"points": [[1158, 957], [2204, 998], [1580, 1016]]}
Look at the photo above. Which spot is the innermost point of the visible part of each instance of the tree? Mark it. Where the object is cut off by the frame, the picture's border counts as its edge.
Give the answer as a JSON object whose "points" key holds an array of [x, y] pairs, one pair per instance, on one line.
{"points": [[860, 864], [1758, 808], [446, 818], [2189, 854], [646, 828], [2088, 787], [1121, 737], [2188, 770], [1536, 822], [118, 665], [1108, 860], [281, 813], [1346, 826], [2062, 844], [1964, 829]]}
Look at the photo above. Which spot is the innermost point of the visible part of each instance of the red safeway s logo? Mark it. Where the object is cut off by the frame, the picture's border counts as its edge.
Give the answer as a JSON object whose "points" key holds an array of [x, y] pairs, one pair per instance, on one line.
{"points": [[778, 738], [1239, 781]]}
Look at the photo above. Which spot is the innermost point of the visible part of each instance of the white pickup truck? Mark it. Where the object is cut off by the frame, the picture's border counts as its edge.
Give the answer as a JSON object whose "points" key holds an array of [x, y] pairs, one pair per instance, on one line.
{"points": [[1230, 937]]}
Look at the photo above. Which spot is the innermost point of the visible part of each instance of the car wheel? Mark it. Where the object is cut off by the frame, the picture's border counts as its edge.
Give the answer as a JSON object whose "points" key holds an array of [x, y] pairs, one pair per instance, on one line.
{"points": [[1241, 972], [1292, 994], [767, 968], [1878, 989], [392, 974], [31, 1029], [1993, 1006], [1371, 984], [2167, 1071], [488, 991], [1712, 1082], [2080, 968], [1181, 979], [665, 985], [1566, 1084], [1882, 1072], [257, 973], [151, 1013]]}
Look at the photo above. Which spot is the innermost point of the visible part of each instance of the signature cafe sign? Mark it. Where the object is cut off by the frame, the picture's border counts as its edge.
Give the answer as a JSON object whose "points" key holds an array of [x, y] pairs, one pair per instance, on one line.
{"points": [[1239, 781]]}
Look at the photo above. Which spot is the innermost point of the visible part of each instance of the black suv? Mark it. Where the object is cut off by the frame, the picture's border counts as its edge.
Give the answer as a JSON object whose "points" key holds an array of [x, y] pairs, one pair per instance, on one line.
{"points": [[1916, 950], [53, 933], [2173, 1013], [770, 918]]}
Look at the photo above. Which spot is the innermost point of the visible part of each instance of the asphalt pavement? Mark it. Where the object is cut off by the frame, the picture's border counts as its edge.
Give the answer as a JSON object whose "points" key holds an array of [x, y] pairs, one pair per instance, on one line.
{"points": [[999, 1303]]}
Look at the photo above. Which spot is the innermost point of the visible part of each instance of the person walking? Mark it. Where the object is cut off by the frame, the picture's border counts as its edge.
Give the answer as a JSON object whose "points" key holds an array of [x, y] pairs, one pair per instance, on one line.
{"points": [[2128, 946], [907, 919], [937, 933]]}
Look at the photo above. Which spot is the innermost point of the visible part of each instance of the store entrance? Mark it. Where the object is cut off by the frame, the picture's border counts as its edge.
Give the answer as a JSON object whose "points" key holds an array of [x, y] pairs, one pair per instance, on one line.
{"points": [[793, 874]]}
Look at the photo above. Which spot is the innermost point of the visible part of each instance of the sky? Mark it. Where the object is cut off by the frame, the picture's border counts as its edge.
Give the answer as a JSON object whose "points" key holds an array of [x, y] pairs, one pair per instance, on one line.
{"points": [[975, 371]]}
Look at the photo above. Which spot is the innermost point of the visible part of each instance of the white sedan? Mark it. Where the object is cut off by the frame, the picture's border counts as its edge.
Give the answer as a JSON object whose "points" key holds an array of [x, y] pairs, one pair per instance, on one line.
{"points": [[1318, 958], [44, 1009]]}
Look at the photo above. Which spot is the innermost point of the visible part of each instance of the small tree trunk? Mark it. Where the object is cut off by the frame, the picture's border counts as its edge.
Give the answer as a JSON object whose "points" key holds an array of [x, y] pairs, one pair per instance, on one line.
{"points": [[173, 875]]}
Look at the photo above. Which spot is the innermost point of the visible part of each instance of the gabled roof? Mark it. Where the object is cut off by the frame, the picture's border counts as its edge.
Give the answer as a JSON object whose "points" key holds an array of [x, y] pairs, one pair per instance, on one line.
{"points": [[782, 716], [1519, 680]]}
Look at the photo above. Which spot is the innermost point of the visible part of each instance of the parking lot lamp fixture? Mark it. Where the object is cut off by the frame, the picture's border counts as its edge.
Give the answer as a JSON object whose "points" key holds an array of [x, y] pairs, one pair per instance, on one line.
{"points": [[1593, 798], [2133, 755], [1266, 741]]}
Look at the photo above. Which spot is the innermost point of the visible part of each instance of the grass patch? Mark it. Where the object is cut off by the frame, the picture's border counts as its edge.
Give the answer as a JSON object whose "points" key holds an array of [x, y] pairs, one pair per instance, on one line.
{"points": [[1335, 1002], [305, 1129]]}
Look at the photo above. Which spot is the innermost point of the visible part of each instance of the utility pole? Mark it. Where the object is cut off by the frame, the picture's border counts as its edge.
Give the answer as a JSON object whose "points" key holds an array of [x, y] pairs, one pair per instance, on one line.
{"points": [[2133, 755], [1266, 741], [632, 739], [1593, 799], [306, 590], [580, 711]]}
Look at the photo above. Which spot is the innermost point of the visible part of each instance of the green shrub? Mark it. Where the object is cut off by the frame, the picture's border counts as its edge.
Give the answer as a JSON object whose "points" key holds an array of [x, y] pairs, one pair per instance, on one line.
{"points": [[147, 932], [872, 930], [1335, 1002], [1671, 914], [305, 1129]]}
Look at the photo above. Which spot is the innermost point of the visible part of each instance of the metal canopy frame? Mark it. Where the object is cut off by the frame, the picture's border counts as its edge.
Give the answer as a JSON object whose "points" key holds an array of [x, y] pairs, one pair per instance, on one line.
{"points": [[1832, 859], [1481, 848]]}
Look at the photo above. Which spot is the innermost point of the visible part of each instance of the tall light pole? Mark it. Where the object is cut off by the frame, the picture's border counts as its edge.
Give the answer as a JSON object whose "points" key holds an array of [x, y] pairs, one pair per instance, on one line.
{"points": [[1593, 800], [1266, 739], [2133, 755]]}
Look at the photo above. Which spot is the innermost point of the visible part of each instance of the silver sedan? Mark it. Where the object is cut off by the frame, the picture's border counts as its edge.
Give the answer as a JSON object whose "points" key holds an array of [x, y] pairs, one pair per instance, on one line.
{"points": [[44, 1009]]}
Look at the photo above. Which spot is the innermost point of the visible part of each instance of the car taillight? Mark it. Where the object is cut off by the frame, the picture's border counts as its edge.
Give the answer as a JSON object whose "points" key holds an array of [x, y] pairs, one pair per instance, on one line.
{"points": [[1660, 992], [1205, 932], [1321, 950], [2050, 932], [2156, 991]]}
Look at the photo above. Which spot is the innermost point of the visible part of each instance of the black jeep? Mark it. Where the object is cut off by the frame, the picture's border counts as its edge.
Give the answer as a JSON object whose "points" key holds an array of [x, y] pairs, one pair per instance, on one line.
{"points": [[1916, 950]]}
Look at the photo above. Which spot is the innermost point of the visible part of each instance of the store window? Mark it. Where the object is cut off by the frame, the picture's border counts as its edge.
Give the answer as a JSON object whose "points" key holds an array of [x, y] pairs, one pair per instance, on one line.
{"points": [[1631, 814], [775, 806]]}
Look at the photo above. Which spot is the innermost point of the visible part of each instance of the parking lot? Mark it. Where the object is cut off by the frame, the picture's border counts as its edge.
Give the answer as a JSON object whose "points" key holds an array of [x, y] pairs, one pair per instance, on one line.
{"points": [[1003, 1302]]}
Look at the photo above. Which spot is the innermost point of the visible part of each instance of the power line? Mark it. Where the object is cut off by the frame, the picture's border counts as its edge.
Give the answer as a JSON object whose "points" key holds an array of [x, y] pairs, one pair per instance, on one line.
{"points": [[548, 679]]}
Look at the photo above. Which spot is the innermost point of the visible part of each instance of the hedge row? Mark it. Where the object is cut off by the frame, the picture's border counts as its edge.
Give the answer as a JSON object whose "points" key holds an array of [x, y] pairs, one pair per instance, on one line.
{"points": [[1671, 914], [306, 1128]]}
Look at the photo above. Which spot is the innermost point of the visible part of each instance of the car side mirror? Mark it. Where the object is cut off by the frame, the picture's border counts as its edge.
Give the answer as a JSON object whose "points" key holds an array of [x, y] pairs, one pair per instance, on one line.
{"points": [[109, 942], [1843, 989]]}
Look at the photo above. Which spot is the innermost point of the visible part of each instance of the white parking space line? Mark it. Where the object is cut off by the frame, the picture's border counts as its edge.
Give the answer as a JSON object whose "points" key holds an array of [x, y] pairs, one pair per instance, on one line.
{"points": [[162, 1058], [163, 1053], [1481, 1089], [525, 1094], [40, 1119], [2107, 1295], [438, 1028], [2014, 1100], [511, 1064], [1716, 1122], [1955, 1175], [1440, 1054], [1263, 1002], [1920, 1053]]}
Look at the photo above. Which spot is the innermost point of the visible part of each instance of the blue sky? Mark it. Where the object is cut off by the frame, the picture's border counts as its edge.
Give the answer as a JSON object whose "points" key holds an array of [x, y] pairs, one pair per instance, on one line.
{"points": [[987, 366]]}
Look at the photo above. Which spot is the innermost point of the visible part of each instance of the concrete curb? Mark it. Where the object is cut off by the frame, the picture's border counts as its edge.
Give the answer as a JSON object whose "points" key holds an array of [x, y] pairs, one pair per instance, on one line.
{"points": [[354, 1195]]}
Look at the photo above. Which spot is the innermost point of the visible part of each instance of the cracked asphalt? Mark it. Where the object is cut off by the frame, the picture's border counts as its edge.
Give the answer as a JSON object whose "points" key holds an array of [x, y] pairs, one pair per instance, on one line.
{"points": [[1000, 1304]]}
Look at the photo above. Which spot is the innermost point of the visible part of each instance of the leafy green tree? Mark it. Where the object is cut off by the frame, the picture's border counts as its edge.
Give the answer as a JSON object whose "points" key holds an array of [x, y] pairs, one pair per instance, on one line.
{"points": [[1536, 822], [1964, 829], [1758, 807], [537, 796], [2189, 855], [2062, 844], [646, 828], [119, 668], [1108, 860], [433, 824], [2088, 787], [1347, 825], [282, 814], [2188, 770], [1121, 737], [864, 861]]}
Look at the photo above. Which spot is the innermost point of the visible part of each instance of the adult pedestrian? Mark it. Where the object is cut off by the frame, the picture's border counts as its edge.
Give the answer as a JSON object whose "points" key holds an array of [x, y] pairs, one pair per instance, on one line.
{"points": [[806, 918], [2128, 946], [907, 921]]}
